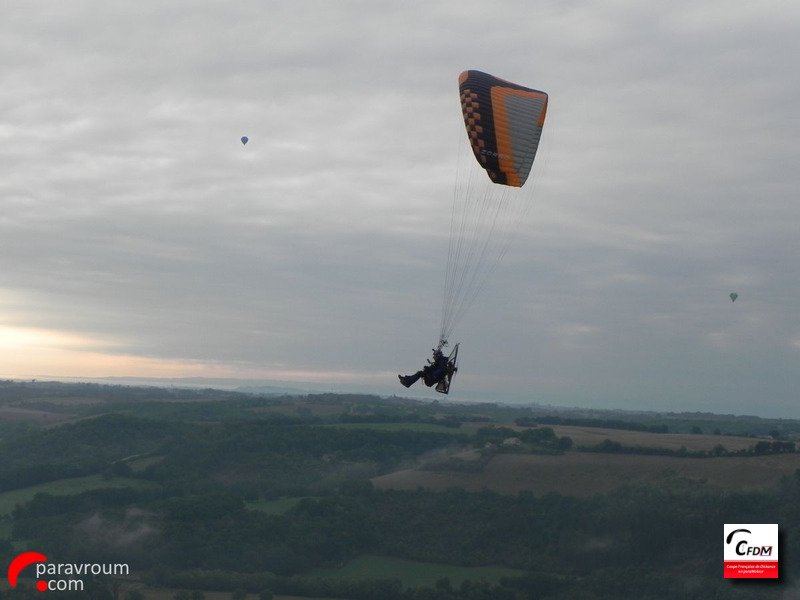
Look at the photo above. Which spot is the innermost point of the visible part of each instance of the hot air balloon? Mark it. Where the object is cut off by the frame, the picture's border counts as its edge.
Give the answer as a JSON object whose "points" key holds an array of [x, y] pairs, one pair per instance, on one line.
{"points": [[244, 140], [733, 296]]}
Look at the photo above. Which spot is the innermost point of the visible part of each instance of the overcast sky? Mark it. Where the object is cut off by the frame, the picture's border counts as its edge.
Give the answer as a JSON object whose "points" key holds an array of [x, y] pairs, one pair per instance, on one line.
{"points": [[139, 237]]}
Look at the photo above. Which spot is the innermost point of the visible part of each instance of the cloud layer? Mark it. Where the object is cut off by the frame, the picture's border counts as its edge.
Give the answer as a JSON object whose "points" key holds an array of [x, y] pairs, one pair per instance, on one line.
{"points": [[135, 225]]}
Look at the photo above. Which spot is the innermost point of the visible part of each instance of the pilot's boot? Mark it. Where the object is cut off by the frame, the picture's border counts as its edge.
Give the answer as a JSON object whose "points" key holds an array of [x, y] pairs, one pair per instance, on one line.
{"points": [[409, 380]]}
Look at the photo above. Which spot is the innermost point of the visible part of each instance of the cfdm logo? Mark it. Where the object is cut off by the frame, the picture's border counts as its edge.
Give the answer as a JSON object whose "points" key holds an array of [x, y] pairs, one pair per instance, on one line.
{"points": [[60, 576], [751, 551]]}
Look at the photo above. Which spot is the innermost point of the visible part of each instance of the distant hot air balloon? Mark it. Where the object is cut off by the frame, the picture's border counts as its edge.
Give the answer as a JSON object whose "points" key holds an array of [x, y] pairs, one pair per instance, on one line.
{"points": [[734, 296], [244, 140]]}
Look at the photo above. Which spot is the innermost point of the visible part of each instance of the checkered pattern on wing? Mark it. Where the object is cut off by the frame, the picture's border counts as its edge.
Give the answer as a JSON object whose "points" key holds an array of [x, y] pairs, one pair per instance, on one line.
{"points": [[472, 120]]}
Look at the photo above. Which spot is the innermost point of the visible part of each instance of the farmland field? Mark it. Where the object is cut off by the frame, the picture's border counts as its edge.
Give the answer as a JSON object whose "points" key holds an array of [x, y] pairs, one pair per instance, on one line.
{"points": [[279, 506], [410, 426], [64, 487], [13, 414], [591, 436], [583, 435], [297, 407], [585, 474]]}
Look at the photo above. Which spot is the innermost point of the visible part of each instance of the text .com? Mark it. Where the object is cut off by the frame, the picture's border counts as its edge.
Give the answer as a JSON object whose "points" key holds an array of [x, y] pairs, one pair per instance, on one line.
{"points": [[69, 577]]}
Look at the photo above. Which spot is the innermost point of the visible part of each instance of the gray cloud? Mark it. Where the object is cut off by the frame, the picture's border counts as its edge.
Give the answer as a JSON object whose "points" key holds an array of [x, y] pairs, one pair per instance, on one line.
{"points": [[130, 213]]}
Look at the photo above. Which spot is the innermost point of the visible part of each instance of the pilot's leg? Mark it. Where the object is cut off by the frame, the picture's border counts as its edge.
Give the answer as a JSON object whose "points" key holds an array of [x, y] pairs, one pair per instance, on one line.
{"points": [[409, 380]]}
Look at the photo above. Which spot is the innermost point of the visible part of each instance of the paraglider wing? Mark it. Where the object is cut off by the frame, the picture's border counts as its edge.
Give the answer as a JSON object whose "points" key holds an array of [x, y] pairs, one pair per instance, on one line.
{"points": [[443, 386], [504, 123], [734, 296], [245, 139]]}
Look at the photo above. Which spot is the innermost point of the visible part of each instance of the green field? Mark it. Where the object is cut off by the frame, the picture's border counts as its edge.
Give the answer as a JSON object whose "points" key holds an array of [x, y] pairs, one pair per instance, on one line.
{"points": [[274, 507], [467, 428], [414, 573], [65, 487], [140, 464]]}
